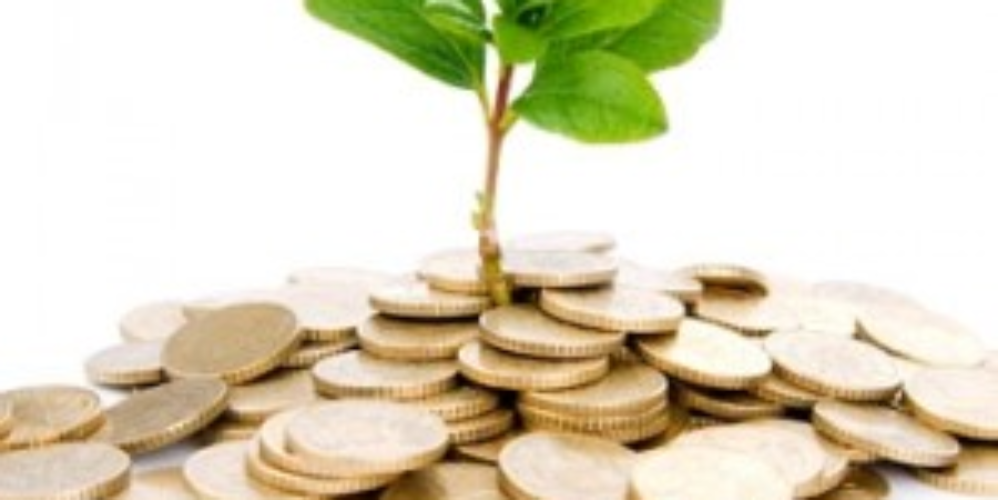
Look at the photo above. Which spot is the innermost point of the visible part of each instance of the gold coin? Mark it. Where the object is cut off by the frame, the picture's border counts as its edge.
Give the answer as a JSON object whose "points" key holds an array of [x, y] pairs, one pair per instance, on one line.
{"points": [[482, 427], [219, 472], [282, 480], [460, 403], [155, 418], [922, 336], [885, 432], [456, 271], [336, 276], [127, 365], [727, 276], [727, 405], [539, 269], [310, 353], [358, 374], [525, 330], [6, 417], [564, 241], [486, 451], [565, 467], [236, 344], [633, 275], [64, 471], [48, 414], [414, 299], [707, 355], [975, 472], [777, 390], [689, 472], [862, 483], [798, 460], [154, 321], [363, 438], [266, 397], [957, 400], [272, 443], [818, 314], [833, 366], [744, 312], [835, 463], [627, 388], [679, 423], [228, 430], [493, 368], [158, 484], [415, 340], [448, 481], [615, 309], [534, 416]]}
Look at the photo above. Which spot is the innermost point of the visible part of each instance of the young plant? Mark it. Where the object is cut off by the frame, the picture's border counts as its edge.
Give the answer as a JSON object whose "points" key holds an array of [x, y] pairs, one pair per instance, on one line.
{"points": [[591, 64]]}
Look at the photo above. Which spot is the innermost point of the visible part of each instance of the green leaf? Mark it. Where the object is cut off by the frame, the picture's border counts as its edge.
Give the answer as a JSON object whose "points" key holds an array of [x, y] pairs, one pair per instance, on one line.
{"points": [[572, 18], [435, 37], [516, 44], [672, 35], [593, 97]]}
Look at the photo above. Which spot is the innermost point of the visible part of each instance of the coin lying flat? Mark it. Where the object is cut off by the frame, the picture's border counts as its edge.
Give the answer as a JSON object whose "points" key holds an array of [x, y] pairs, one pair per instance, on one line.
{"points": [[688, 472], [627, 388], [544, 269], [220, 472], [158, 485], [415, 340], [779, 391], [266, 397], [448, 481], [414, 299], [126, 365], [923, 336], [363, 438], [615, 309], [975, 472], [834, 366], [490, 367], [707, 355], [154, 321], [152, 419], [862, 483], [729, 406], [633, 275], [957, 400], [885, 432], [275, 477], [526, 330], [487, 451], [48, 414], [538, 417], [564, 241], [456, 271], [235, 344], [481, 427], [747, 313], [565, 467], [71, 470], [460, 403], [309, 353], [358, 374], [727, 276]]}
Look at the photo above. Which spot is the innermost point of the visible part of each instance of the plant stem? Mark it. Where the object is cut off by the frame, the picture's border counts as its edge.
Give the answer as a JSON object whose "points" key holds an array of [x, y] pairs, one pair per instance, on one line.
{"points": [[489, 247]]}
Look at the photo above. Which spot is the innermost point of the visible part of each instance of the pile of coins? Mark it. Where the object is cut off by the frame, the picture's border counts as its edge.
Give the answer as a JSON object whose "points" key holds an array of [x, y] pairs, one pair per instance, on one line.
{"points": [[605, 379]]}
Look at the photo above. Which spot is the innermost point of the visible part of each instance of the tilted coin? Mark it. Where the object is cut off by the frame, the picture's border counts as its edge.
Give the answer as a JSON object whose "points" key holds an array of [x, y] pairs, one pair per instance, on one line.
{"points": [[487, 451], [833, 366], [158, 484], [326, 276], [690, 472], [627, 388], [272, 443], [415, 340], [862, 483], [564, 241], [275, 477], [707, 355], [960, 401], [266, 397], [727, 276], [744, 312], [777, 390], [70, 470], [885, 432], [975, 472], [154, 418], [362, 438], [220, 472], [235, 344], [924, 336], [481, 427], [543, 269], [448, 481], [408, 298], [309, 353], [565, 467], [835, 466], [615, 309], [634, 275], [47, 414], [490, 367], [358, 374], [526, 330], [726, 405], [153, 321], [126, 365], [455, 271], [460, 403]]}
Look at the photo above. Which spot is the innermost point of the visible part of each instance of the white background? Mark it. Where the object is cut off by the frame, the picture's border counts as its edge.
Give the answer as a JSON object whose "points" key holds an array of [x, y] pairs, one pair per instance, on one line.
{"points": [[171, 149]]}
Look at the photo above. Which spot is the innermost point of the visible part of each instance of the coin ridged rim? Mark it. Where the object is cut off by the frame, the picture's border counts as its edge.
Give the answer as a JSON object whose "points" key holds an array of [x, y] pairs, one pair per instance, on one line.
{"points": [[393, 300], [728, 409], [727, 275], [826, 426], [437, 271], [261, 405], [949, 479], [954, 424], [587, 343], [309, 353], [582, 372], [118, 377], [202, 469], [487, 451], [949, 425], [578, 423], [266, 473], [101, 487], [562, 305], [526, 274], [776, 389], [460, 403], [902, 331], [425, 346], [272, 442], [85, 422], [227, 430], [743, 322], [176, 432], [482, 427], [439, 377], [630, 435], [645, 388]]}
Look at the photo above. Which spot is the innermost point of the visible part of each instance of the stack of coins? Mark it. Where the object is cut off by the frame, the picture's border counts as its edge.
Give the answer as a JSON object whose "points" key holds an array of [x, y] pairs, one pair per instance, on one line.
{"points": [[605, 379]]}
